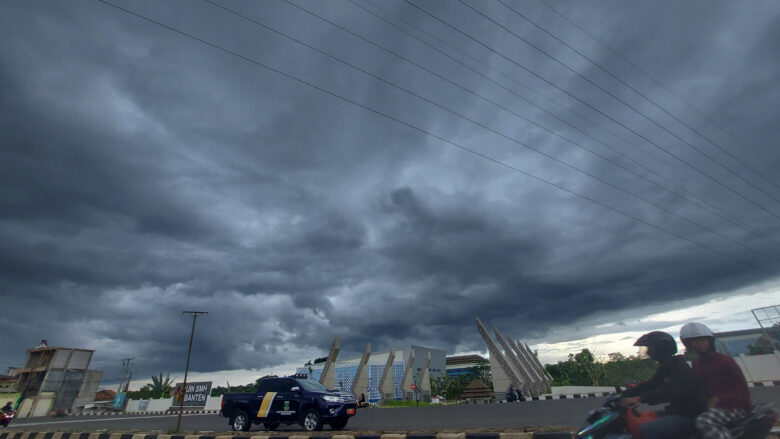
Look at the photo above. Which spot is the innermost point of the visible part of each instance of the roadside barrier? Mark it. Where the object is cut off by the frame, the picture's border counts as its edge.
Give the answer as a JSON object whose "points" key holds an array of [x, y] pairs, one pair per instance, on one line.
{"points": [[66, 435], [763, 383]]}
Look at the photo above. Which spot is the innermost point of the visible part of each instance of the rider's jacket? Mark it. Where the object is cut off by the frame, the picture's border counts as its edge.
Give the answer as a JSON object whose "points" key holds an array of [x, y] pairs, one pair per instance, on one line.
{"points": [[720, 376], [672, 383]]}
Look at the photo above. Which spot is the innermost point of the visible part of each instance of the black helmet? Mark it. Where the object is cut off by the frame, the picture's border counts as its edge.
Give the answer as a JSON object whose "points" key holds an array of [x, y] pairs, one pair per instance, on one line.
{"points": [[660, 345]]}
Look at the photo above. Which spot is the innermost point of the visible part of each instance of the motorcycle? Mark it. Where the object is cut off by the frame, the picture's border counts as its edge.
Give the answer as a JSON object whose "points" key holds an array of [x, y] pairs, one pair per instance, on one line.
{"points": [[613, 420], [6, 418]]}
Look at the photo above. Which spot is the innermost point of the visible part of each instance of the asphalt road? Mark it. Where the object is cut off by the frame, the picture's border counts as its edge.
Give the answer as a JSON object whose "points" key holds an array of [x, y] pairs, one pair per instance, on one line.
{"points": [[568, 412]]}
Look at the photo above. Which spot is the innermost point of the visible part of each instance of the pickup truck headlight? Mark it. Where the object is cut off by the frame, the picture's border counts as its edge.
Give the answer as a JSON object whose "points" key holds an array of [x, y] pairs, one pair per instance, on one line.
{"points": [[331, 398]]}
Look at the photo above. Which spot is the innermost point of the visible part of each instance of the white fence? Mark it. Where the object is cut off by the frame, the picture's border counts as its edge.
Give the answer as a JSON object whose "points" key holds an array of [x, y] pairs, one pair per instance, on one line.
{"points": [[156, 405], [760, 367]]}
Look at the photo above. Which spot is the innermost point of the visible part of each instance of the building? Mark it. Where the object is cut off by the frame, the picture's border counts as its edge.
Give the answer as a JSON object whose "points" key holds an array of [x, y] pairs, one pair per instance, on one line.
{"points": [[747, 341], [56, 378], [461, 365], [347, 369]]}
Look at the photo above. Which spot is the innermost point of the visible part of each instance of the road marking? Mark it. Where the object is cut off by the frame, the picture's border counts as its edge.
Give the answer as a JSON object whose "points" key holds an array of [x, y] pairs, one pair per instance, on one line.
{"points": [[106, 419]]}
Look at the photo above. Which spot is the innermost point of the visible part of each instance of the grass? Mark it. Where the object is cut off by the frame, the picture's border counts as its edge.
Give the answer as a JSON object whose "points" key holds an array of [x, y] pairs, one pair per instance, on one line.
{"points": [[406, 404]]}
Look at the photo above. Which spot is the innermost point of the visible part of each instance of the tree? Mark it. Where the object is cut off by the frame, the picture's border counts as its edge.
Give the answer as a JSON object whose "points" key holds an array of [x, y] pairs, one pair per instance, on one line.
{"points": [[482, 371], [762, 346], [582, 369], [450, 387], [159, 388]]}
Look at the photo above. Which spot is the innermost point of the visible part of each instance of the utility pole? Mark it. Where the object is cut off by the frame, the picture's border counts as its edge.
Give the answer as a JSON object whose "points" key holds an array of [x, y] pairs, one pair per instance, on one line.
{"points": [[195, 315], [125, 383]]}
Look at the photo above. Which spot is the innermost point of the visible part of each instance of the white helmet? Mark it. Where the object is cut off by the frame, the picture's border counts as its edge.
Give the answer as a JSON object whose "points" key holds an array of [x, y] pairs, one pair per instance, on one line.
{"points": [[695, 329]]}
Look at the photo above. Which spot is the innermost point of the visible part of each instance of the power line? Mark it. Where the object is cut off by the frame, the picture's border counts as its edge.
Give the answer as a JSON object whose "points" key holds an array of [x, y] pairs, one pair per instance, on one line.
{"points": [[562, 106], [700, 203], [647, 75], [590, 81], [435, 136], [713, 179], [638, 93], [512, 139]]}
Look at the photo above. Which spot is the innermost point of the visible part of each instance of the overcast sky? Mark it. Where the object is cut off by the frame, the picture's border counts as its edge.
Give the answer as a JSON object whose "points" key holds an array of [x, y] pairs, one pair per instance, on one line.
{"points": [[415, 167]]}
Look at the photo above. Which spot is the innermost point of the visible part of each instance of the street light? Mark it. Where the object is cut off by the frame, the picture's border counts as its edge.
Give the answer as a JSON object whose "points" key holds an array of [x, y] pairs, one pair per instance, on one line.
{"points": [[195, 315]]}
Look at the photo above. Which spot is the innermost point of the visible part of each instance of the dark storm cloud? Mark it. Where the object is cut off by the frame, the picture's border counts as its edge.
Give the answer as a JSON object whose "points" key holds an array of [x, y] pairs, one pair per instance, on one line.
{"points": [[144, 173]]}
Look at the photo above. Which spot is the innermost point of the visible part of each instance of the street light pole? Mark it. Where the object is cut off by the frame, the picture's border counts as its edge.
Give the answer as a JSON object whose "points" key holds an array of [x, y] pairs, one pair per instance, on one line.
{"points": [[195, 315]]}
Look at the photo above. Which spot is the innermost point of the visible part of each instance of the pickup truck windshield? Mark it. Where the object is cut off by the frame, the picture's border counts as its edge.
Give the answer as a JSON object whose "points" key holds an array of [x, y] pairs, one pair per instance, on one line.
{"points": [[312, 385]]}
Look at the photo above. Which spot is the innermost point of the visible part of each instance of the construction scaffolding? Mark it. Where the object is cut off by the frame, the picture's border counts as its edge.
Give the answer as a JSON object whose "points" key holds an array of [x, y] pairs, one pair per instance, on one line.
{"points": [[56, 379], [768, 319]]}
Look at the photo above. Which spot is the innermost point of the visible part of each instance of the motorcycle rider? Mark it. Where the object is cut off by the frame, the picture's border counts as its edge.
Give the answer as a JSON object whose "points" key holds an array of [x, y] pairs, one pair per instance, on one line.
{"points": [[722, 381], [8, 407], [672, 383]]}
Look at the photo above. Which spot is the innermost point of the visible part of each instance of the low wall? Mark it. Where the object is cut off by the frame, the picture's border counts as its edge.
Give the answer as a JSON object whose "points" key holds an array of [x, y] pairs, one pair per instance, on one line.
{"points": [[570, 390], [293, 435], [159, 405], [760, 367]]}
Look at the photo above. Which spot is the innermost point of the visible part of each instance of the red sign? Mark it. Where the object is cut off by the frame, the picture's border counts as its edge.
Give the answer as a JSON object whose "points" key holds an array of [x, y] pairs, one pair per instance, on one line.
{"points": [[412, 386]]}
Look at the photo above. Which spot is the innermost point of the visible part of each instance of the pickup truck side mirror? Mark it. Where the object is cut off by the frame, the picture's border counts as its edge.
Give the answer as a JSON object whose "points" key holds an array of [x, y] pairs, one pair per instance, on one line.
{"points": [[295, 389]]}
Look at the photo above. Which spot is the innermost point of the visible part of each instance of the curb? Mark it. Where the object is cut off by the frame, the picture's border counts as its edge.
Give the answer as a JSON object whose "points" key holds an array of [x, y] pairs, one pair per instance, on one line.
{"points": [[763, 383], [146, 412], [298, 435]]}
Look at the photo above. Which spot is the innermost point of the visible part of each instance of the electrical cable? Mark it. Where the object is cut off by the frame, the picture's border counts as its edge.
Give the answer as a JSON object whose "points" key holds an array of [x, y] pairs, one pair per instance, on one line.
{"points": [[657, 83], [700, 203], [725, 151], [512, 139], [435, 136], [716, 181], [590, 81]]}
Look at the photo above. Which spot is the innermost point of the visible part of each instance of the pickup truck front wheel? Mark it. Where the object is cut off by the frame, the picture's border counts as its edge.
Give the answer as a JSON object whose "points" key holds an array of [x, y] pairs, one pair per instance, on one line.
{"points": [[312, 421], [240, 421]]}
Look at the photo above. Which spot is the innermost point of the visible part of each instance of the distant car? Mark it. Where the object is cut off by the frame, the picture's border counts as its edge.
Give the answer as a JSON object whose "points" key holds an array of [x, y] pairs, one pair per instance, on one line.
{"points": [[288, 401]]}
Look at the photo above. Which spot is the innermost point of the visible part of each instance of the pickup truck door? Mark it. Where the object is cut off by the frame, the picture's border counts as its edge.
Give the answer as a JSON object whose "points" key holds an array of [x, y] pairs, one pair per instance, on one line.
{"points": [[261, 405], [287, 403]]}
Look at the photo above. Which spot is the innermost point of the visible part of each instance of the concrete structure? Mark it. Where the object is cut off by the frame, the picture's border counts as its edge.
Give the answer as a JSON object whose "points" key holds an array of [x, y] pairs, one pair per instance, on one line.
{"points": [[386, 387], [56, 378], [328, 375], [529, 385], [515, 366], [360, 382], [535, 375], [424, 381], [541, 372], [385, 371], [503, 375], [408, 380]]}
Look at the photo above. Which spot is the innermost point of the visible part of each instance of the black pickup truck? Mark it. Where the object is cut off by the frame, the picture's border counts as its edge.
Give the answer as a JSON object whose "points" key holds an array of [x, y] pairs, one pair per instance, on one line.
{"points": [[288, 401]]}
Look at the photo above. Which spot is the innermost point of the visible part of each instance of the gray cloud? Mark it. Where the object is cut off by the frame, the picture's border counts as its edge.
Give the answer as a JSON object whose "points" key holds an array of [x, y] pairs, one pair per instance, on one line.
{"points": [[144, 173]]}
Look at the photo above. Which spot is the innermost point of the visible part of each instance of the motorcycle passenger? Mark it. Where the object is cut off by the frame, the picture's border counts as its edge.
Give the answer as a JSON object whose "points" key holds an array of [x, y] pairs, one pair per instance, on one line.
{"points": [[673, 383], [725, 387], [8, 407]]}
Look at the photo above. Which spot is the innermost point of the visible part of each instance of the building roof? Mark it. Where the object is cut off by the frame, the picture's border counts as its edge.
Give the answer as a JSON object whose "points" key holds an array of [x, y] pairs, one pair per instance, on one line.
{"points": [[743, 332], [477, 389], [464, 359], [55, 348], [105, 395]]}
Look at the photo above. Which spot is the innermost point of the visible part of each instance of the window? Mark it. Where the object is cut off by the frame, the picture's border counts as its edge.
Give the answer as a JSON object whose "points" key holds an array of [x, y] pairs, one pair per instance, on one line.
{"points": [[312, 385]]}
